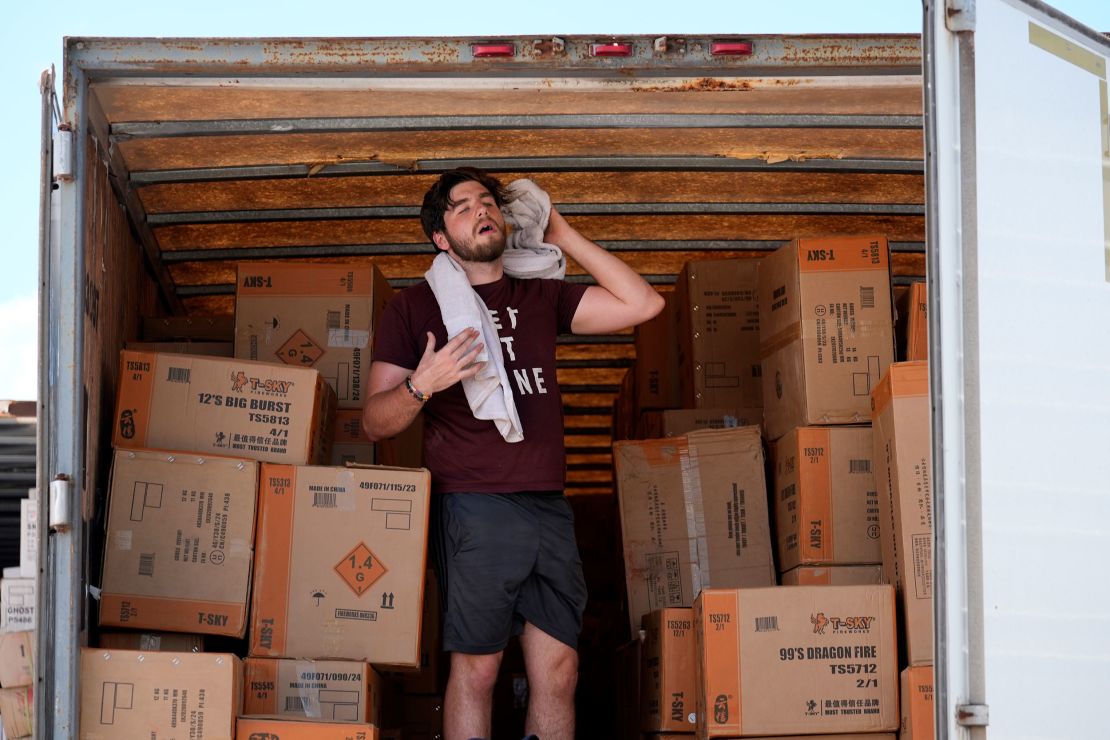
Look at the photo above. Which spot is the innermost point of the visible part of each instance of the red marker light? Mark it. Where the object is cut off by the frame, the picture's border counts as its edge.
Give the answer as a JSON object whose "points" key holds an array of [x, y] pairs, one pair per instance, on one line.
{"points": [[492, 50], [612, 49], [731, 48]]}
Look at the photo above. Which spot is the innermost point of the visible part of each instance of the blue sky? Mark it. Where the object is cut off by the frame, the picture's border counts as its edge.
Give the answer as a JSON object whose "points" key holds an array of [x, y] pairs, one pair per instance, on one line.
{"points": [[31, 40]]}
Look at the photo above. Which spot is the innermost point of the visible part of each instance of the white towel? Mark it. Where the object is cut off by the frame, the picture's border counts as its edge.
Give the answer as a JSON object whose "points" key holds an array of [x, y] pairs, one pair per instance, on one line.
{"points": [[527, 255], [489, 394]]}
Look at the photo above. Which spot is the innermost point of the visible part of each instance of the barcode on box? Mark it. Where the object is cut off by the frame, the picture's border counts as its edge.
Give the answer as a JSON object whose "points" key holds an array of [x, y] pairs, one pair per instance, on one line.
{"points": [[323, 500], [146, 564], [867, 296], [296, 704], [767, 624], [859, 466], [178, 375], [333, 319]]}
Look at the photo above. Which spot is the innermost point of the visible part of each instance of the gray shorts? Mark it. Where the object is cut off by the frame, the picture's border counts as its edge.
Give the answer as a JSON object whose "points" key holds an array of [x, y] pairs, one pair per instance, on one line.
{"points": [[504, 560]]}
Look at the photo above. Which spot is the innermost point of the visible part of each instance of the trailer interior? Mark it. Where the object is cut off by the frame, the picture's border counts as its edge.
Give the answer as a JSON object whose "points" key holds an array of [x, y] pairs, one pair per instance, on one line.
{"points": [[661, 149]]}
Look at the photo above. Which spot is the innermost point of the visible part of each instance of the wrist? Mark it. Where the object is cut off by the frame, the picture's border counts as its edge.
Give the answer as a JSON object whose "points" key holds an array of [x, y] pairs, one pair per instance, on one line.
{"points": [[416, 391], [556, 228]]}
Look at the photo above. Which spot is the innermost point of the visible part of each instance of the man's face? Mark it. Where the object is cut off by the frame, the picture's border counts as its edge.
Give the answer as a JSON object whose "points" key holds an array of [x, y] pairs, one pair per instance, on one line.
{"points": [[474, 227]]}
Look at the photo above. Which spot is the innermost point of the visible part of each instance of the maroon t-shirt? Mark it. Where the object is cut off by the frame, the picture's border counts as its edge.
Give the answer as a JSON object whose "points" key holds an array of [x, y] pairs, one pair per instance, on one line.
{"points": [[465, 454]]}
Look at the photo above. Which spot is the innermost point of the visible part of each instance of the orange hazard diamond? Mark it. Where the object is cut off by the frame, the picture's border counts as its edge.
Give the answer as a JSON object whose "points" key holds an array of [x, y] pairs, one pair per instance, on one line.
{"points": [[360, 568], [300, 349]]}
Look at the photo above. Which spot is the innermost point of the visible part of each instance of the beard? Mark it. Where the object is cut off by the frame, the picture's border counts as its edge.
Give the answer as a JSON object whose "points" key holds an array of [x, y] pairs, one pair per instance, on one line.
{"points": [[470, 249]]}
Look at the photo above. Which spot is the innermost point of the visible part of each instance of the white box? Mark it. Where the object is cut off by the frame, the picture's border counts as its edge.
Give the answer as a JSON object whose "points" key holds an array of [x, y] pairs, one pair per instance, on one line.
{"points": [[17, 604], [29, 536]]}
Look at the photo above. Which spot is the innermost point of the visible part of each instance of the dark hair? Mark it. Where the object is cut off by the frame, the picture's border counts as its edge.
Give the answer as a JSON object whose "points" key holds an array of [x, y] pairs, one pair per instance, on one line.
{"points": [[438, 198]]}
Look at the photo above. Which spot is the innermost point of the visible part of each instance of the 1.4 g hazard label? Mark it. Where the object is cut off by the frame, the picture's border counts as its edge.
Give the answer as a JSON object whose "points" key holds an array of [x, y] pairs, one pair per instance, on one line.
{"points": [[300, 349], [360, 568]]}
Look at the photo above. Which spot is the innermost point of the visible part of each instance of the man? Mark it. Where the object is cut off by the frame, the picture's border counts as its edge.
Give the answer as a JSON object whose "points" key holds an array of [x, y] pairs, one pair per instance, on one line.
{"points": [[504, 534]]}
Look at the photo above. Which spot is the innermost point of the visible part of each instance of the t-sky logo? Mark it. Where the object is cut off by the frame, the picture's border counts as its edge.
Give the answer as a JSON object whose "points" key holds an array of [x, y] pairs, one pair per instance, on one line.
{"points": [[240, 381], [840, 625]]}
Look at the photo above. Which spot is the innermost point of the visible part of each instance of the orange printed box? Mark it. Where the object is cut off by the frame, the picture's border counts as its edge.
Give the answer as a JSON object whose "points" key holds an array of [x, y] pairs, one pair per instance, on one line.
{"points": [[316, 315], [826, 330], [918, 720], [718, 334], [179, 542], [208, 405], [339, 564], [904, 470], [317, 690], [797, 660], [128, 693], [668, 674], [250, 728], [833, 575], [826, 502]]}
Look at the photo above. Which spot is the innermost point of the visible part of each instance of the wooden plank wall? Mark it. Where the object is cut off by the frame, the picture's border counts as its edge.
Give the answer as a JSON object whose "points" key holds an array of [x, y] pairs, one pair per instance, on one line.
{"points": [[118, 293]]}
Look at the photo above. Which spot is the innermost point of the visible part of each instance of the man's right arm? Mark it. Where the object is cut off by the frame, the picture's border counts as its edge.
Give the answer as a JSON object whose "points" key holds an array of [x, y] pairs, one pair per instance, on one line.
{"points": [[391, 407]]}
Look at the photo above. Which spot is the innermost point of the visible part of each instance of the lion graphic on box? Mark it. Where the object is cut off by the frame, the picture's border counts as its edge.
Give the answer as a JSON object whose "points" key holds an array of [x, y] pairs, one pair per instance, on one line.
{"points": [[820, 621], [238, 380]]}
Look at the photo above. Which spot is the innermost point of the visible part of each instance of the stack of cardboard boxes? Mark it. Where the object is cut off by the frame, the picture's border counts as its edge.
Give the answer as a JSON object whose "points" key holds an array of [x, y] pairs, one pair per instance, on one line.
{"points": [[796, 344], [903, 455], [18, 624], [226, 522]]}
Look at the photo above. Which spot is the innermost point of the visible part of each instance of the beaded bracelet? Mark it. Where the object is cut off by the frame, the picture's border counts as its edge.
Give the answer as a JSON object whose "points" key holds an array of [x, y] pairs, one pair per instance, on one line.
{"points": [[421, 397]]}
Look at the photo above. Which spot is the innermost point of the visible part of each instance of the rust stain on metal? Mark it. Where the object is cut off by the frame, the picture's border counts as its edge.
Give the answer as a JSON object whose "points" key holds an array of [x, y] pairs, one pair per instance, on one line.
{"points": [[849, 52], [441, 53], [701, 84]]}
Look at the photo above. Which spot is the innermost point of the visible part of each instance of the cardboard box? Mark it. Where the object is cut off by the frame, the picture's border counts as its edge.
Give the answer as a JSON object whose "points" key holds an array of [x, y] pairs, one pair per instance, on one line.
{"points": [[693, 516], [803, 660], [178, 547], [17, 711], [207, 405], [673, 422], [17, 659], [917, 323], [833, 575], [166, 642], [427, 678], [318, 690], [825, 329], [351, 445], [207, 349], [339, 563], [127, 693], [904, 471], [655, 374], [918, 720], [250, 728], [17, 604], [826, 502], [718, 334], [311, 315], [29, 536], [349, 442], [670, 671]]}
